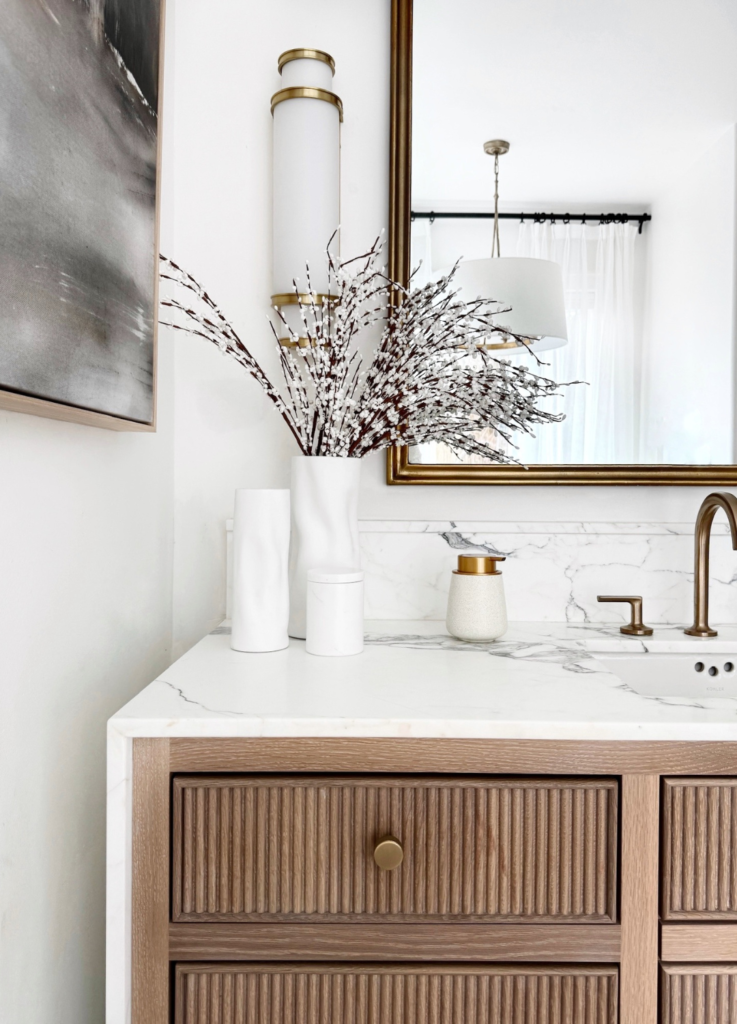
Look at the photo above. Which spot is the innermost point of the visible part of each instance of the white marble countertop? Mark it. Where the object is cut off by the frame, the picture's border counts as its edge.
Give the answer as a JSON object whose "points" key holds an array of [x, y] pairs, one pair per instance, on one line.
{"points": [[541, 681]]}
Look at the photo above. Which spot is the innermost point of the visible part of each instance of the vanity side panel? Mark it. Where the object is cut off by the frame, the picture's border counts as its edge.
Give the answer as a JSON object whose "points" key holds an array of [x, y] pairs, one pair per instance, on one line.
{"points": [[281, 848], [699, 849], [699, 994], [412, 994], [150, 978]]}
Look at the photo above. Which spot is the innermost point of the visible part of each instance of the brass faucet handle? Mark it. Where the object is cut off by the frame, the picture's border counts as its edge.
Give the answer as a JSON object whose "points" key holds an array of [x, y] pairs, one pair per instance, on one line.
{"points": [[636, 626]]}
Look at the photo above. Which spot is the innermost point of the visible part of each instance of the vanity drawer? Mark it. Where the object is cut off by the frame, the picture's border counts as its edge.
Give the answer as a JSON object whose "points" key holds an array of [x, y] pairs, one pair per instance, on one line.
{"points": [[699, 849], [699, 994], [364, 994], [280, 848]]}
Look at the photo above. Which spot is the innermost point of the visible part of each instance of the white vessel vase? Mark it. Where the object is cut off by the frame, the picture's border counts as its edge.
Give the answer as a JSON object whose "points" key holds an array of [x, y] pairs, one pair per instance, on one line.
{"points": [[324, 525], [260, 571]]}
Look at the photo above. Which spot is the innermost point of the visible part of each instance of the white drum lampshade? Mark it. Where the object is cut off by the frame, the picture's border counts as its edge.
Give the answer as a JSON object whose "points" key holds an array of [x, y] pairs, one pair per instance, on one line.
{"points": [[532, 288], [307, 116]]}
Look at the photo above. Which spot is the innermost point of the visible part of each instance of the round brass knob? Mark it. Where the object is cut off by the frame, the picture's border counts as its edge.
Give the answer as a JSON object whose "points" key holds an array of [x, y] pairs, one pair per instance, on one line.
{"points": [[388, 853]]}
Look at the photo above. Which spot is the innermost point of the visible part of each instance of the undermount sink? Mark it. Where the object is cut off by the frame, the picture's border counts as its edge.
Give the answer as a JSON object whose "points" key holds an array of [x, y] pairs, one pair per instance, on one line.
{"points": [[675, 675]]}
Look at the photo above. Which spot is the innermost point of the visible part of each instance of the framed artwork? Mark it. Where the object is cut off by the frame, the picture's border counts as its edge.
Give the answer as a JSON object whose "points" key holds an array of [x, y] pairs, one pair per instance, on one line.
{"points": [[79, 170]]}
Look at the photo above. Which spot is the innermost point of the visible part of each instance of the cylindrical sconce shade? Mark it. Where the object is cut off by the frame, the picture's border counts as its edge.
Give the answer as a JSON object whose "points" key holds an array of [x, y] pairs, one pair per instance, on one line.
{"points": [[532, 288], [307, 116]]}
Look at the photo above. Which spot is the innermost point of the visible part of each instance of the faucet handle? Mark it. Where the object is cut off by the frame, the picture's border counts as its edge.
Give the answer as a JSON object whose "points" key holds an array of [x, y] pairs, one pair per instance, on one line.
{"points": [[636, 626]]}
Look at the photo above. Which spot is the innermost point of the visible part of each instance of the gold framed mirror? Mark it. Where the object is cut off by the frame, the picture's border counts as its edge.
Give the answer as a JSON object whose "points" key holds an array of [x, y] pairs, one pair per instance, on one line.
{"points": [[701, 398]]}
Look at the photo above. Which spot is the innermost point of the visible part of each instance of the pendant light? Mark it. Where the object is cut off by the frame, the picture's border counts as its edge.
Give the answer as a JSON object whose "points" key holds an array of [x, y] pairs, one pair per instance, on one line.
{"points": [[532, 288]]}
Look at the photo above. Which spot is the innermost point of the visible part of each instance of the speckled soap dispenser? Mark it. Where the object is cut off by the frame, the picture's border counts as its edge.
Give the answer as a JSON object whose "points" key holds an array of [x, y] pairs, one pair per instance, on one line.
{"points": [[476, 606]]}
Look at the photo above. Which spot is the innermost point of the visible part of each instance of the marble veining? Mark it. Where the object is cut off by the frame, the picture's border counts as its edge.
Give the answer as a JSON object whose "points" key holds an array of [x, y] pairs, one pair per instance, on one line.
{"points": [[553, 571]]}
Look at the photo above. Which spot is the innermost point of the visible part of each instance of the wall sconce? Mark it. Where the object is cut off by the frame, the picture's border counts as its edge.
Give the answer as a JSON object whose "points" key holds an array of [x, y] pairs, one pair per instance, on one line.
{"points": [[307, 116]]}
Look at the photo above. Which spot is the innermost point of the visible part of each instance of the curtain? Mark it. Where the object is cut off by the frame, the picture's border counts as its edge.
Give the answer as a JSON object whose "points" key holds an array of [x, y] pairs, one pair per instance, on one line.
{"points": [[421, 249], [601, 422]]}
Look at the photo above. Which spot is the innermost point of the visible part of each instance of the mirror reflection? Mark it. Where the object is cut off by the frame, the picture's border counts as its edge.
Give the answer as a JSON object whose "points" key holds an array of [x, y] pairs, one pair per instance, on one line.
{"points": [[604, 137]]}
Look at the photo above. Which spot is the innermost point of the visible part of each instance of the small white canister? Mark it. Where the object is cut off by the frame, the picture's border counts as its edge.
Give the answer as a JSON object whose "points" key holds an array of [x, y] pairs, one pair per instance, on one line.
{"points": [[476, 606], [334, 612]]}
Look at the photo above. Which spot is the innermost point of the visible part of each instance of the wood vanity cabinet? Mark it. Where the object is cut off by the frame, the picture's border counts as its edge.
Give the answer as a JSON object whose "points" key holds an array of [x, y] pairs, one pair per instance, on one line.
{"points": [[418, 994], [542, 882], [699, 889], [699, 849], [699, 993], [280, 848]]}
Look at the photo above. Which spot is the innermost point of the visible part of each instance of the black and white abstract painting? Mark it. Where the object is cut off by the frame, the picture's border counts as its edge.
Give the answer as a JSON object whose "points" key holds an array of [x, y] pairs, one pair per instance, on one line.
{"points": [[78, 168]]}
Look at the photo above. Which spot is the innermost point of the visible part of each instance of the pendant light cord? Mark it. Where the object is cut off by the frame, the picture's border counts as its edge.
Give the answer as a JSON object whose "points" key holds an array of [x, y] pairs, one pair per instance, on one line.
{"points": [[495, 244]]}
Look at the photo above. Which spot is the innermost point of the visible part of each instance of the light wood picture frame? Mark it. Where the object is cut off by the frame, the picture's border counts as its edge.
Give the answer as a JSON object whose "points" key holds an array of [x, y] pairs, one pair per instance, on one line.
{"points": [[78, 320]]}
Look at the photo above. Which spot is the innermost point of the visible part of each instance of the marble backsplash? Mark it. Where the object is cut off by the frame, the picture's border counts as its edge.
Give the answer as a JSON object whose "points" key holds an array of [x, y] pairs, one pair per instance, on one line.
{"points": [[553, 571]]}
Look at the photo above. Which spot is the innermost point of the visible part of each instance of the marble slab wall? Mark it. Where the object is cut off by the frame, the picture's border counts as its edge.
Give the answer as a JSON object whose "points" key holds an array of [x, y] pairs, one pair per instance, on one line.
{"points": [[553, 571]]}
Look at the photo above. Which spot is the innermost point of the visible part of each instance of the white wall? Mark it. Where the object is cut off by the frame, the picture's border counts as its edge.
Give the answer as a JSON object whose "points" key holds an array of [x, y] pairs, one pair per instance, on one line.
{"points": [[86, 521], [220, 82], [85, 622], [690, 338]]}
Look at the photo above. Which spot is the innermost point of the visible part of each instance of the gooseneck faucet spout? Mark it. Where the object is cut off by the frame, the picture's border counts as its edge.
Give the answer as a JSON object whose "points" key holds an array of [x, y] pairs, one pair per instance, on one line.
{"points": [[702, 537]]}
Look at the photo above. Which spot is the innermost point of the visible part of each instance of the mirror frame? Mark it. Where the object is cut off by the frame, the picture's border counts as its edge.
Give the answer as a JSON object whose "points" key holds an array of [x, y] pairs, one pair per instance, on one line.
{"points": [[399, 469]]}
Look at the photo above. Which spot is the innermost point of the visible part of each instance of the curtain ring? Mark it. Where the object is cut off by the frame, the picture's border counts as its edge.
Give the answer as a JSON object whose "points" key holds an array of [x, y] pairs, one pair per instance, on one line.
{"points": [[432, 217], [567, 219]]}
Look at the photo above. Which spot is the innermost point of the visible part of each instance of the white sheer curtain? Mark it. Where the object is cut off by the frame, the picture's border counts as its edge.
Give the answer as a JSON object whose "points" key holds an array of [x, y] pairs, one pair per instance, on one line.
{"points": [[602, 415], [601, 422]]}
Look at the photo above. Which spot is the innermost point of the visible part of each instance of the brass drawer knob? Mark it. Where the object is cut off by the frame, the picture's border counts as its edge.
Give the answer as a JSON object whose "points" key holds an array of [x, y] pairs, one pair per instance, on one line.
{"points": [[388, 853]]}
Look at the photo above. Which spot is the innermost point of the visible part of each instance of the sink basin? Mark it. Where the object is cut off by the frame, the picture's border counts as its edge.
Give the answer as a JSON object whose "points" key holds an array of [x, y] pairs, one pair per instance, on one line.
{"points": [[675, 675]]}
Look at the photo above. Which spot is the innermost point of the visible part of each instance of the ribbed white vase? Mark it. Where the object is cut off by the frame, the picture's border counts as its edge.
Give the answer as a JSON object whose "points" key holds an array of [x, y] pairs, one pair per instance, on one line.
{"points": [[324, 525], [260, 571]]}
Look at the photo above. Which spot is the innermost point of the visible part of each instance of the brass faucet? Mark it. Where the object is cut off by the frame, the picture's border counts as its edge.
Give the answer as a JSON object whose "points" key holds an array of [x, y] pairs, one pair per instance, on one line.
{"points": [[702, 536]]}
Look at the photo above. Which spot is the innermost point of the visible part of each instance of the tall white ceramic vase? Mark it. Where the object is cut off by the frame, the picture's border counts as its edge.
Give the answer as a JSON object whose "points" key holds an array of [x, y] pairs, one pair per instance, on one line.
{"points": [[260, 571], [324, 525]]}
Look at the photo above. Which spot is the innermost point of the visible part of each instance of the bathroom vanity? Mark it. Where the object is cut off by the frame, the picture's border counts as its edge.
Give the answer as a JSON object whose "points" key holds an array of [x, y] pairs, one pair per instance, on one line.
{"points": [[558, 833]]}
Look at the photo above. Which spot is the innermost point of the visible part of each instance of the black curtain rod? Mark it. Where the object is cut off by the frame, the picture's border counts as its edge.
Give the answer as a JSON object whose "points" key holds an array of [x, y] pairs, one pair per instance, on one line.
{"points": [[539, 218]]}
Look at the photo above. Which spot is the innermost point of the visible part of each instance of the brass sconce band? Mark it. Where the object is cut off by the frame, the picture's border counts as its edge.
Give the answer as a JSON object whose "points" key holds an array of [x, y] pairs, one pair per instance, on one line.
{"points": [[306, 54], [303, 299], [299, 343], [307, 92], [493, 346], [496, 345]]}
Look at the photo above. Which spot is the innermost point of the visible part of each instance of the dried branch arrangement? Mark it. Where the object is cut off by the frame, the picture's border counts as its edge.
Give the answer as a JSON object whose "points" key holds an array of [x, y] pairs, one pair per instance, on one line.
{"points": [[428, 380]]}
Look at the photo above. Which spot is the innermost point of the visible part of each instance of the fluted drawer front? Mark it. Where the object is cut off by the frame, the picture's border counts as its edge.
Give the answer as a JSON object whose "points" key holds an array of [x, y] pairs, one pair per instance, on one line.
{"points": [[699, 994], [700, 849], [370, 994], [297, 848]]}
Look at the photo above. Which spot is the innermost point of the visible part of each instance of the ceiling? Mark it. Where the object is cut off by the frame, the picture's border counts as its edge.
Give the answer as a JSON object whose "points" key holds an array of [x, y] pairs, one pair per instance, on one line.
{"points": [[604, 102]]}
